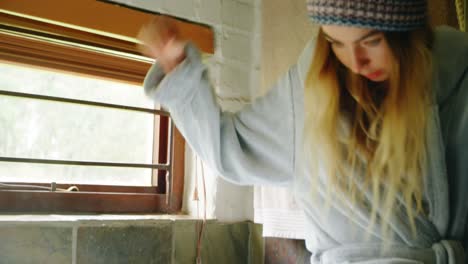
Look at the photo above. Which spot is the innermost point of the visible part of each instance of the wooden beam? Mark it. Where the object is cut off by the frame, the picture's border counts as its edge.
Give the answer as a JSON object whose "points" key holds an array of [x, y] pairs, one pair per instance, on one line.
{"points": [[101, 18]]}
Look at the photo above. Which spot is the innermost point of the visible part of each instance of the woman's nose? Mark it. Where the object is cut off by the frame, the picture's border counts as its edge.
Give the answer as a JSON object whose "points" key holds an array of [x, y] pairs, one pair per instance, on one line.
{"points": [[359, 59]]}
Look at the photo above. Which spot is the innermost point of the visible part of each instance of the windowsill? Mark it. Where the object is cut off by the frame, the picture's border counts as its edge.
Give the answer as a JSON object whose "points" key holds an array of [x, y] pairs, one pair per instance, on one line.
{"points": [[33, 218]]}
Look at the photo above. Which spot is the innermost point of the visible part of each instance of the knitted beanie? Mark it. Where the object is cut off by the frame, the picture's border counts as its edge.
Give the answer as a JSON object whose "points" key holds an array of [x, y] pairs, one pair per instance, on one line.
{"points": [[386, 15]]}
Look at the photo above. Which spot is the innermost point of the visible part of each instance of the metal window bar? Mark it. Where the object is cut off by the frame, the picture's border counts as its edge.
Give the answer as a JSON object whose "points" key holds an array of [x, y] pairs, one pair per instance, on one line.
{"points": [[166, 167]]}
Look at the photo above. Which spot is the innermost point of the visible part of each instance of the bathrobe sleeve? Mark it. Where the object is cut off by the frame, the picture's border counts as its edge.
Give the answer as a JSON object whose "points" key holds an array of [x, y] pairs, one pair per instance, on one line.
{"points": [[253, 146]]}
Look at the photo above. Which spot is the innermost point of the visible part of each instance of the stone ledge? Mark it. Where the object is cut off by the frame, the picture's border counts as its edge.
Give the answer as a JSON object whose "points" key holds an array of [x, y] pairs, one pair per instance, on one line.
{"points": [[83, 239], [33, 218]]}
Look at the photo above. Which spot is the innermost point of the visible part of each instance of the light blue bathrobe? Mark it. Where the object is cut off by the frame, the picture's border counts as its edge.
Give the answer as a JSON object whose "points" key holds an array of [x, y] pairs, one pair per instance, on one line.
{"points": [[262, 143]]}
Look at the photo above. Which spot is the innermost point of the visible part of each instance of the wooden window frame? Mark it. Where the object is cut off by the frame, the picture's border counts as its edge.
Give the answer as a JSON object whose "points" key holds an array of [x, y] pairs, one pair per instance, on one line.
{"points": [[101, 22], [34, 36]]}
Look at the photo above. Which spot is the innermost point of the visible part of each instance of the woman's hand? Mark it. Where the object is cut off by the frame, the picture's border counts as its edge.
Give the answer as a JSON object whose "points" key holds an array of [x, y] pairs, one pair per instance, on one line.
{"points": [[160, 40]]}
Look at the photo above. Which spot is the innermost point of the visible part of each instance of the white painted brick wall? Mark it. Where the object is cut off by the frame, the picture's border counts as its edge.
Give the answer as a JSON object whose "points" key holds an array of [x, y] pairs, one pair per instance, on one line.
{"points": [[232, 85], [238, 15], [179, 8], [232, 41], [209, 11], [234, 24], [234, 71], [153, 5]]}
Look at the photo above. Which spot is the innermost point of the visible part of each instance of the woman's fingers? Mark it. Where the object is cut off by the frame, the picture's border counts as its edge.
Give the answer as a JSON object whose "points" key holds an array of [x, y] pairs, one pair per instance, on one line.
{"points": [[160, 40], [155, 35], [172, 54], [143, 45]]}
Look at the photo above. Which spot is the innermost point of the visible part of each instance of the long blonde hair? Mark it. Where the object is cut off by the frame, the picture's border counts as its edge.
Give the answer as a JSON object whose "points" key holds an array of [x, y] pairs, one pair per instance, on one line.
{"points": [[385, 139]]}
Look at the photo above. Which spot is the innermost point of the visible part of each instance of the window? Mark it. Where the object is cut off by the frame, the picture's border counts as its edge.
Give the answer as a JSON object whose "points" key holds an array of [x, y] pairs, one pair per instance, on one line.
{"points": [[74, 117]]}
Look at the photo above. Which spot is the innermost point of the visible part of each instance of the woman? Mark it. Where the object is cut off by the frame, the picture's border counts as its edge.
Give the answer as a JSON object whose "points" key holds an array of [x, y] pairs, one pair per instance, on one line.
{"points": [[370, 125]]}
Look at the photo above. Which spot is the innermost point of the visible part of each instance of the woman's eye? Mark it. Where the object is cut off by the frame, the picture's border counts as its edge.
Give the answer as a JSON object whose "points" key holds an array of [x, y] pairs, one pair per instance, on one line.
{"points": [[373, 42], [336, 44]]}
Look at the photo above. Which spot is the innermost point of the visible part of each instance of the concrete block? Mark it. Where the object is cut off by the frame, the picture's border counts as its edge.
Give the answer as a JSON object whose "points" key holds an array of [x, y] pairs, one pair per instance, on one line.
{"points": [[235, 80], [236, 45], [180, 8], [150, 243], [237, 15], [209, 11], [36, 244], [185, 241], [154, 5], [233, 238]]}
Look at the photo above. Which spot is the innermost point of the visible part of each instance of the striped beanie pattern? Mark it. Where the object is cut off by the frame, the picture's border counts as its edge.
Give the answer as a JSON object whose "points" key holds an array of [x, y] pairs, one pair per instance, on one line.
{"points": [[386, 15]]}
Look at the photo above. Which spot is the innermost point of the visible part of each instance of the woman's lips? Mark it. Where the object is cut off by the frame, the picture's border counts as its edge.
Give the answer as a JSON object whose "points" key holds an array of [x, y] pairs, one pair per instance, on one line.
{"points": [[374, 75]]}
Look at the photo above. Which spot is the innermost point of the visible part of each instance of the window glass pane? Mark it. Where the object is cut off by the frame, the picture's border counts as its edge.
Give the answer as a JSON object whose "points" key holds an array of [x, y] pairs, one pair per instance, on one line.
{"points": [[40, 129], [51, 83], [45, 173]]}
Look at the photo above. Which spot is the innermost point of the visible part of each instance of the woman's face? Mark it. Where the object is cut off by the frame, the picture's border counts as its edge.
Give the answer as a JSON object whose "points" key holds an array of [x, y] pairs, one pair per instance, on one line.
{"points": [[363, 51]]}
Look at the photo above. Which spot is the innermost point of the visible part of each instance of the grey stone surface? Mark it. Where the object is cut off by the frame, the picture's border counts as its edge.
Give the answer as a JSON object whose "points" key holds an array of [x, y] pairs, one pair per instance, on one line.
{"points": [[239, 242], [159, 241], [185, 241], [149, 243], [225, 243], [35, 244], [256, 244]]}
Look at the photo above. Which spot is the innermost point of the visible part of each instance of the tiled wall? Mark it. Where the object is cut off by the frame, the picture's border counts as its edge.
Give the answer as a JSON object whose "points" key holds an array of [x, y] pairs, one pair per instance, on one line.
{"points": [[148, 241]]}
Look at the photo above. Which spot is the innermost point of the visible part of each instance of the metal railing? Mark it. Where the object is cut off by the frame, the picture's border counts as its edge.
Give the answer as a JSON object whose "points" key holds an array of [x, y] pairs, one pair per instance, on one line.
{"points": [[166, 167]]}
